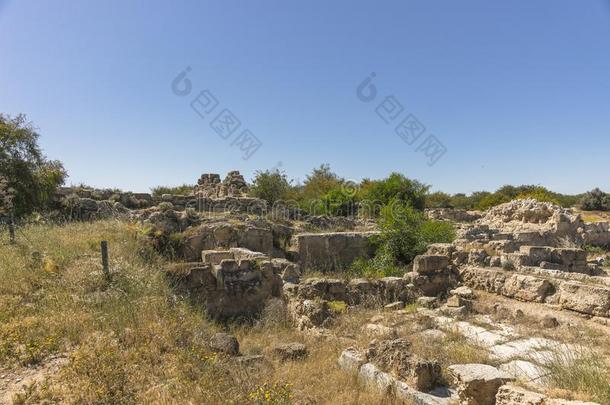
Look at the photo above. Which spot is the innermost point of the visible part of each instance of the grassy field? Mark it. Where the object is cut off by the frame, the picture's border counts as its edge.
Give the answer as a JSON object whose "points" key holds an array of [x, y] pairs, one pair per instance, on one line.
{"points": [[133, 340]]}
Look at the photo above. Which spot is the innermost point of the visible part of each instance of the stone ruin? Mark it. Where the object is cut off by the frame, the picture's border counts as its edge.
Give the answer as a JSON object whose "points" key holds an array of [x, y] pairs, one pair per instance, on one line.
{"points": [[518, 251], [210, 186]]}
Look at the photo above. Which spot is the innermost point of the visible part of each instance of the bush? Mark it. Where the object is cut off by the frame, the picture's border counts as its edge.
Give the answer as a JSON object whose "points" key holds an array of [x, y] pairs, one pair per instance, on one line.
{"points": [[184, 189], [270, 186], [339, 202], [595, 200], [395, 187], [439, 200], [437, 232], [405, 233], [29, 179]]}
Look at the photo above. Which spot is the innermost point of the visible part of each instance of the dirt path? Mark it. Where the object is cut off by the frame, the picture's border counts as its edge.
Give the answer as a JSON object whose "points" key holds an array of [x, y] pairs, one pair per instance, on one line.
{"points": [[15, 381]]}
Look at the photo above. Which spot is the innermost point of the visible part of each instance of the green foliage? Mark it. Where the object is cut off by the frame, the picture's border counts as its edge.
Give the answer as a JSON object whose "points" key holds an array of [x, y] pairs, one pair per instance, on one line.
{"points": [[437, 232], [439, 200], [270, 186], [395, 187], [339, 202], [483, 200], [28, 175], [595, 200], [405, 233], [321, 181], [183, 189]]}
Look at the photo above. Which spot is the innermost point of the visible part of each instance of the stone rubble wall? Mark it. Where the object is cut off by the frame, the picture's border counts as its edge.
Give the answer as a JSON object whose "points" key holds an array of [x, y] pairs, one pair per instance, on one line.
{"points": [[231, 283], [578, 296], [452, 214], [332, 251]]}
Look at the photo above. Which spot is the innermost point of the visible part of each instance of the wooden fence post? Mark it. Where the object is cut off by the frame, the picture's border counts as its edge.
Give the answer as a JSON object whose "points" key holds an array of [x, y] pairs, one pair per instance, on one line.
{"points": [[11, 227], [105, 265]]}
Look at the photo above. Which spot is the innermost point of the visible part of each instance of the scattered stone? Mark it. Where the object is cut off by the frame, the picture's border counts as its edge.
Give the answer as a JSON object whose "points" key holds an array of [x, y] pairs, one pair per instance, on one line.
{"points": [[291, 351], [371, 376], [374, 329], [225, 343], [433, 334], [549, 322], [427, 302], [351, 360], [512, 395], [478, 384], [395, 306], [395, 356], [463, 292], [454, 312]]}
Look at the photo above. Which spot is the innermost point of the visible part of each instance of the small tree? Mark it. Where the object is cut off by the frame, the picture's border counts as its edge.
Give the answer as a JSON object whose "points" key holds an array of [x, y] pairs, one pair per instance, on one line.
{"points": [[31, 178], [595, 200], [395, 187], [270, 185]]}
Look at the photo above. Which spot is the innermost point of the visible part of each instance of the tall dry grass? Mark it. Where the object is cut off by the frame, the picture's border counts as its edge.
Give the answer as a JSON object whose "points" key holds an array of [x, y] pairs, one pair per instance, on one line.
{"points": [[133, 340]]}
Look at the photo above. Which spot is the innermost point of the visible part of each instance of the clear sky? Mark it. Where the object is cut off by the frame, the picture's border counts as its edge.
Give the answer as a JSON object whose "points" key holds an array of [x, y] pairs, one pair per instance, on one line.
{"points": [[516, 91]]}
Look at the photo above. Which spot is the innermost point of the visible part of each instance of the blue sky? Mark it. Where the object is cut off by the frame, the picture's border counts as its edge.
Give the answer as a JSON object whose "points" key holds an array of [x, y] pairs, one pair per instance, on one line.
{"points": [[516, 91]]}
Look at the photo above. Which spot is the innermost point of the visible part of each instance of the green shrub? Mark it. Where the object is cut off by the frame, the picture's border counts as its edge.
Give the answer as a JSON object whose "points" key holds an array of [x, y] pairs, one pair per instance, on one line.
{"points": [[270, 186], [29, 180], [396, 187], [437, 232], [439, 200], [405, 233], [595, 200]]}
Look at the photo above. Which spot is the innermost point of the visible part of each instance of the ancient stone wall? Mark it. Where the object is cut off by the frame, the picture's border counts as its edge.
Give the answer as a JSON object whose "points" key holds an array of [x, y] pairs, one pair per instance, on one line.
{"points": [[333, 251]]}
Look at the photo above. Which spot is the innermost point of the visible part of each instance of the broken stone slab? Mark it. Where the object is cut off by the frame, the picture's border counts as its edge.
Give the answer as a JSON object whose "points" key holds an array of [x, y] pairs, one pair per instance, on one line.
{"points": [[478, 384], [427, 302], [395, 356], [371, 376], [524, 370], [454, 312], [395, 306], [463, 292], [441, 396], [351, 360], [373, 329], [430, 264], [214, 257], [512, 395], [290, 351]]}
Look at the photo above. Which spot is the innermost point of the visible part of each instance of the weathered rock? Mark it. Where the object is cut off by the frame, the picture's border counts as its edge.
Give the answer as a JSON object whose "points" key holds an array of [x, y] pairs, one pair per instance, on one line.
{"points": [[308, 314], [478, 384], [333, 251], [225, 343], [395, 356], [371, 376], [351, 360], [430, 264], [549, 321], [395, 306], [291, 351], [512, 395], [229, 289]]}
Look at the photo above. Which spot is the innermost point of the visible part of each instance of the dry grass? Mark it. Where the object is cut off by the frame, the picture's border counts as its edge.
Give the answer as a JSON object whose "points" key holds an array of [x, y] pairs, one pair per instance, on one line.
{"points": [[580, 374], [133, 340]]}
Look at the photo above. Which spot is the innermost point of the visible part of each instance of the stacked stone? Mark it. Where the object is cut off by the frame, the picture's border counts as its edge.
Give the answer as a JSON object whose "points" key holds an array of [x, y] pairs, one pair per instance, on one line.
{"points": [[234, 185], [209, 185]]}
